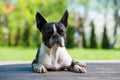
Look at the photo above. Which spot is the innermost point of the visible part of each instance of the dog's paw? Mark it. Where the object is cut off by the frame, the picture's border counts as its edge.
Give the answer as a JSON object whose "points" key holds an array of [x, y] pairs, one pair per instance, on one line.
{"points": [[39, 68], [82, 64], [79, 69]]}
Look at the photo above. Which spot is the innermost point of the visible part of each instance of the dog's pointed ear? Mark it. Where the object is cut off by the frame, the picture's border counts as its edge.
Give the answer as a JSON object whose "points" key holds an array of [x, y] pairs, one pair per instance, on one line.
{"points": [[40, 21], [64, 19]]}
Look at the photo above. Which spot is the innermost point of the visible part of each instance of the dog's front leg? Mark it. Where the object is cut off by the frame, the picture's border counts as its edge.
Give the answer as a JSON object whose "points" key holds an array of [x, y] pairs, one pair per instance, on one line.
{"points": [[82, 64], [78, 67], [38, 68]]}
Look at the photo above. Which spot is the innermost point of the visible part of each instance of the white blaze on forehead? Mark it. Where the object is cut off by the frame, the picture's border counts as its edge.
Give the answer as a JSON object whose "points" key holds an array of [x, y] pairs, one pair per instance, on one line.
{"points": [[62, 41], [54, 28]]}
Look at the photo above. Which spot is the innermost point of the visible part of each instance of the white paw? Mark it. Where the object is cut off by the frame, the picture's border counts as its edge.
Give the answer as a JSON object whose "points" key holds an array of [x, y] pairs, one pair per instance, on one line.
{"points": [[39, 68], [82, 64], [79, 69]]}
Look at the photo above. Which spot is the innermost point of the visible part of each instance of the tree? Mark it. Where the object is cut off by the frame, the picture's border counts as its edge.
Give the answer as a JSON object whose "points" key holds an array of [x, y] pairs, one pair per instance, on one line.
{"points": [[93, 43], [114, 36], [115, 6], [70, 37], [84, 44], [105, 40], [80, 13], [103, 7], [19, 19]]}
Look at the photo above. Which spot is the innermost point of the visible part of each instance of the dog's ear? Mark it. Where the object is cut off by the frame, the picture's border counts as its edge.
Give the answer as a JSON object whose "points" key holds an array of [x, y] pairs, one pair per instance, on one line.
{"points": [[64, 19], [40, 21]]}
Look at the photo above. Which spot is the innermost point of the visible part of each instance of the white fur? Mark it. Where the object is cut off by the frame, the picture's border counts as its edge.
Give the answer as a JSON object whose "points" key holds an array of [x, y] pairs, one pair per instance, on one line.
{"points": [[79, 69], [62, 41], [39, 68], [54, 58], [54, 29]]}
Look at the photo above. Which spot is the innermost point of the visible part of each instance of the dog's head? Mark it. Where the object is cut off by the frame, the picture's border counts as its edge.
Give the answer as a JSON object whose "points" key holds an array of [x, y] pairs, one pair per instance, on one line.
{"points": [[53, 33]]}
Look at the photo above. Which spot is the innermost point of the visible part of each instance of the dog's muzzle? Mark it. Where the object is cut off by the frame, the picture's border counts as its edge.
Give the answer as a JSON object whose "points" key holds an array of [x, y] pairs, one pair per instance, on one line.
{"points": [[56, 40]]}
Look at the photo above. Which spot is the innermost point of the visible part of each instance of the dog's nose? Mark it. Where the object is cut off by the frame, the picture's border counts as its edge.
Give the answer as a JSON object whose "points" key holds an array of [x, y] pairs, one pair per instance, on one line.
{"points": [[55, 36]]}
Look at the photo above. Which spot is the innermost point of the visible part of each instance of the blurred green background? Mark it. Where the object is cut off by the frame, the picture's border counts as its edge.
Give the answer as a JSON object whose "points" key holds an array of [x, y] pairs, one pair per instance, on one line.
{"points": [[93, 31]]}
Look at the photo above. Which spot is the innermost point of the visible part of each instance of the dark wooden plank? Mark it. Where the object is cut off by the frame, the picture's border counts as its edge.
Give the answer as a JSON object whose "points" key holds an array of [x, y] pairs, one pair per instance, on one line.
{"points": [[95, 71]]}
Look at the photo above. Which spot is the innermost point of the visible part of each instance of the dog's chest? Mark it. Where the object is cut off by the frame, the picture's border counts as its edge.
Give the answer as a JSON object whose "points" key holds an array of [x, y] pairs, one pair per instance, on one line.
{"points": [[52, 60], [55, 59]]}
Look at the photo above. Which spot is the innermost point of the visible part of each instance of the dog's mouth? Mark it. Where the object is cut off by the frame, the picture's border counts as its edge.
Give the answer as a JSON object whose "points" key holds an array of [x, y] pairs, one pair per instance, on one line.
{"points": [[57, 44]]}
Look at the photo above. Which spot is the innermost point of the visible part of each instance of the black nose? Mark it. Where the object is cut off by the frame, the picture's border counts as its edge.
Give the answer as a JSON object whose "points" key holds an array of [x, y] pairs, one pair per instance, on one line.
{"points": [[55, 36]]}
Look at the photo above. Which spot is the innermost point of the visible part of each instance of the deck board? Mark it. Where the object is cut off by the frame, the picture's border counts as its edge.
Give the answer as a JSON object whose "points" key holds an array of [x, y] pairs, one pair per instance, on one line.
{"points": [[95, 71]]}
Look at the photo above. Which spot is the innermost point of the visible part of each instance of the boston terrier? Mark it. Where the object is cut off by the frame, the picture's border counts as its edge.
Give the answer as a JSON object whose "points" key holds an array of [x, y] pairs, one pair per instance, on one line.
{"points": [[52, 54]]}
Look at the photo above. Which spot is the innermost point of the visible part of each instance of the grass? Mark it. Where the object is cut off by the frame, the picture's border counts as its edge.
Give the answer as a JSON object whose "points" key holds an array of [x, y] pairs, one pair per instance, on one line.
{"points": [[28, 54], [94, 54]]}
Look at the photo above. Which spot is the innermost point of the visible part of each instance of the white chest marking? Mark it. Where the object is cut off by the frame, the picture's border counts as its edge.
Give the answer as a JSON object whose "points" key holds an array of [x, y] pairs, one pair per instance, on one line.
{"points": [[54, 60], [54, 29]]}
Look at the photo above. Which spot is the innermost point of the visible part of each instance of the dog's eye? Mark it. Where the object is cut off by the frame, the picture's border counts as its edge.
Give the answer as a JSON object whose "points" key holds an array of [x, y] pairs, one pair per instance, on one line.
{"points": [[61, 32]]}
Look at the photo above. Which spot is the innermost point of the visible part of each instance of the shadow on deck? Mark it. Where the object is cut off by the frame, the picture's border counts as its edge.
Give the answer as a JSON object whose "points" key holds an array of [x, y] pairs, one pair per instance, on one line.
{"points": [[95, 71]]}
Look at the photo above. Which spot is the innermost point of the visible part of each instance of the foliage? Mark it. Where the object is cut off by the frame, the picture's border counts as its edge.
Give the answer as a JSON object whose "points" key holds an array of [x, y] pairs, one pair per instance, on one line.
{"points": [[93, 43], [1, 37], [105, 40], [84, 44], [70, 37], [103, 7], [19, 18], [114, 36]]}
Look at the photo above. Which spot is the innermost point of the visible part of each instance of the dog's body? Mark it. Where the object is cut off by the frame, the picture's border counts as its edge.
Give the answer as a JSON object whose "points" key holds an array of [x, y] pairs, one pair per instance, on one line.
{"points": [[52, 54]]}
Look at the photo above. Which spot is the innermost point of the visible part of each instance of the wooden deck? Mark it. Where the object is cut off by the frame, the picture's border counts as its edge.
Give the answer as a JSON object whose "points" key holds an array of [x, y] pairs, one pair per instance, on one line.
{"points": [[95, 71]]}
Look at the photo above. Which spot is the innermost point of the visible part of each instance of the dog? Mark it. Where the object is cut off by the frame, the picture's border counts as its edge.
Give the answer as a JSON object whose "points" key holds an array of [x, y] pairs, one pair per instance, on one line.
{"points": [[52, 54]]}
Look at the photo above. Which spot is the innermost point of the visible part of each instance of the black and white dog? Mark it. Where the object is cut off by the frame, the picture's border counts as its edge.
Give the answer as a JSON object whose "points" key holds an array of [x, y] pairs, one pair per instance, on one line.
{"points": [[52, 54]]}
